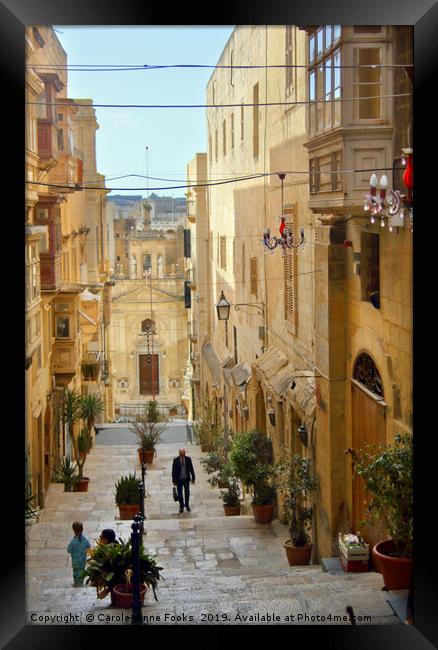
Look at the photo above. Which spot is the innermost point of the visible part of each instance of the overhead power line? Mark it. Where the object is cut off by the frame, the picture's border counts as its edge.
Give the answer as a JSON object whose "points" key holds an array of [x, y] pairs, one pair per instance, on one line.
{"points": [[214, 183], [108, 67], [260, 104]]}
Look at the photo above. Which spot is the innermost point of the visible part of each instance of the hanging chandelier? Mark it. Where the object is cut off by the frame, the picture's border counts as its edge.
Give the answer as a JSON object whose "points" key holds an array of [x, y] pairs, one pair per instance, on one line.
{"points": [[391, 206], [286, 239]]}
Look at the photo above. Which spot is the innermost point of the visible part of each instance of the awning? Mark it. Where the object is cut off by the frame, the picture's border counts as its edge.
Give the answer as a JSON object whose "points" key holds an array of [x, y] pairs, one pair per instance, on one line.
{"points": [[93, 322], [87, 295], [241, 374], [278, 374], [212, 361]]}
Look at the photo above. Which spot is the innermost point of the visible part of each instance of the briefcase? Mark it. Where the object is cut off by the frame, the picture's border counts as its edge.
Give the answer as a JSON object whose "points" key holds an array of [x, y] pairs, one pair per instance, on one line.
{"points": [[175, 494]]}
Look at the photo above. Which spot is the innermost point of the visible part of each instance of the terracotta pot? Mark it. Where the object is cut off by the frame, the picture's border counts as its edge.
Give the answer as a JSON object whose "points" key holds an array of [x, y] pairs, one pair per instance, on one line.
{"points": [[128, 510], [81, 485], [297, 555], [396, 571], [263, 514], [231, 511], [68, 487], [146, 456], [123, 595]]}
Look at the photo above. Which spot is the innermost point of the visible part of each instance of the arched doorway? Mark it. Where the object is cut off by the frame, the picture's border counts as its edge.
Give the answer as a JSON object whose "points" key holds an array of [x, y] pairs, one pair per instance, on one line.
{"points": [[368, 427]]}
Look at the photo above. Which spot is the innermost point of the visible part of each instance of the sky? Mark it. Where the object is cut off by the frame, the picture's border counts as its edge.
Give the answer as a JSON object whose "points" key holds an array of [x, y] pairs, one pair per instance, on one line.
{"points": [[173, 136]]}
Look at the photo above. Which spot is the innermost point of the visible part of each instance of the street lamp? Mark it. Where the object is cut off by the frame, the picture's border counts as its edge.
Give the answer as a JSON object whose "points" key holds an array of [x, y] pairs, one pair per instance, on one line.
{"points": [[223, 307]]}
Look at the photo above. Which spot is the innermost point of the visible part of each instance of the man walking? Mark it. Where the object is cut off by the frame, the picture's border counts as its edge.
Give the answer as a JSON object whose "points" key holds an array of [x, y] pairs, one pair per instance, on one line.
{"points": [[182, 473]]}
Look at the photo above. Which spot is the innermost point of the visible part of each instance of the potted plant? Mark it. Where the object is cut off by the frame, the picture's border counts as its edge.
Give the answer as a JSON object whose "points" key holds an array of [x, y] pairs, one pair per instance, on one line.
{"points": [[127, 496], [83, 444], [387, 472], [298, 482], [208, 428], [231, 498], [66, 473], [107, 567], [148, 427], [251, 459]]}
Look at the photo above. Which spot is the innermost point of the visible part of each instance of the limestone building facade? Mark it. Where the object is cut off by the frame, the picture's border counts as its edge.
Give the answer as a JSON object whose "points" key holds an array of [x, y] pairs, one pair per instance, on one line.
{"points": [[63, 267], [321, 337]]}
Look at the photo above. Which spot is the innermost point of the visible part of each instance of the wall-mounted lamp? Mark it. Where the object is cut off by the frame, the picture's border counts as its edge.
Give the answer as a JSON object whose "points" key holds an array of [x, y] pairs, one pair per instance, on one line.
{"points": [[271, 415], [303, 434], [223, 307]]}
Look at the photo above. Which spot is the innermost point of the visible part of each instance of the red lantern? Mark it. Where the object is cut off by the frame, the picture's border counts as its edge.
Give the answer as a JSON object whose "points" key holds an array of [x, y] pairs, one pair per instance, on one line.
{"points": [[408, 176], [282, 225]]}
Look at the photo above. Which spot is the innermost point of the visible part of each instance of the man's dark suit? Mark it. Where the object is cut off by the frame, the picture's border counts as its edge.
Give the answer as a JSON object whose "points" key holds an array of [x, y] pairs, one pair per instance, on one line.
{"points": [[179, 482]]}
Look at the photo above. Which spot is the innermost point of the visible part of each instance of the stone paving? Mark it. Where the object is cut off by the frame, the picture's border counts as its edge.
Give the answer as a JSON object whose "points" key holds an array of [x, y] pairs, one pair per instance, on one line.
{"points": [[217, 569]]}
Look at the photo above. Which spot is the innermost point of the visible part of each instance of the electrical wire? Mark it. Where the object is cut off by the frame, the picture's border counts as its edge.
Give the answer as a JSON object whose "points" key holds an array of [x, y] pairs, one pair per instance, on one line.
{"points": [[294, 103], [119, 67], [213, 183]]}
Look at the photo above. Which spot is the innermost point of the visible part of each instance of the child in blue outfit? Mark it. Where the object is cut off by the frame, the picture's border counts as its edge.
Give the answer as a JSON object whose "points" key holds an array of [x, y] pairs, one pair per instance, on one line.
{"points": [[78, 550]]}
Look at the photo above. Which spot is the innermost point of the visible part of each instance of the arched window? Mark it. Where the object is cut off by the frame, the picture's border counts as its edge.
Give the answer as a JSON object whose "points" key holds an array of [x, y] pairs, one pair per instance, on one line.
{"points": [[366, 373]]}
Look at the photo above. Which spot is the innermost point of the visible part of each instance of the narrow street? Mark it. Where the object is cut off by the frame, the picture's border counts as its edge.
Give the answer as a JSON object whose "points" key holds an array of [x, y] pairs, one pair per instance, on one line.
{"points": [[217, 569]]}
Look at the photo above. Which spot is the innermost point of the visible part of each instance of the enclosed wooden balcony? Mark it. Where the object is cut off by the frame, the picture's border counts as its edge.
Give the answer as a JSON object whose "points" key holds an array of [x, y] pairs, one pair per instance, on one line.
{"points": [[51, 271], [47, 143]]}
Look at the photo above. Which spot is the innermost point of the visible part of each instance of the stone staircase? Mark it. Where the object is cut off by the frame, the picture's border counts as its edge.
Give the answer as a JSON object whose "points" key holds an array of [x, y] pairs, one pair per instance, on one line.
{"points": [[216, 569]]}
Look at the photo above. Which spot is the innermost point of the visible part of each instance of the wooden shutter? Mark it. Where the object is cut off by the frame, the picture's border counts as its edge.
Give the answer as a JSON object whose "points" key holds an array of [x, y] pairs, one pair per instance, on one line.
{"points": [[243, 265], [255, 113], [289, 279], [223, 253], [253, 275], [289, 59]]}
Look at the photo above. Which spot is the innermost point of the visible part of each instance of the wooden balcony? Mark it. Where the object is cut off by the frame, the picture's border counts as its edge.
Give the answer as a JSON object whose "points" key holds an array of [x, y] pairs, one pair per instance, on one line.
{"points": [[47, 144], [66, 172], [65, 356], [51, 271]]}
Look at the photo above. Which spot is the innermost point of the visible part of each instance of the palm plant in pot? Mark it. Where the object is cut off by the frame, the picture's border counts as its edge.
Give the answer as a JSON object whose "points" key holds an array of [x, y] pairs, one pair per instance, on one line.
{"points": [[90, 408], [148, 427], [108, 569], [387, 472], [84, 444], [251, 458], [127, 496], [298, 483]]}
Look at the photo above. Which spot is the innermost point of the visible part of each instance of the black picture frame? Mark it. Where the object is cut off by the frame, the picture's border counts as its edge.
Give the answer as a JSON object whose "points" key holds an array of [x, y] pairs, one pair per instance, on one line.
{"points": [[423, 15]]}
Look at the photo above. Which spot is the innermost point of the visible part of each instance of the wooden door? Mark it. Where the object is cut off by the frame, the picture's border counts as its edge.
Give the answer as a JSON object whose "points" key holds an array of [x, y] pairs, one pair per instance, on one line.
{"points": [[369, 427], [149, 374]]}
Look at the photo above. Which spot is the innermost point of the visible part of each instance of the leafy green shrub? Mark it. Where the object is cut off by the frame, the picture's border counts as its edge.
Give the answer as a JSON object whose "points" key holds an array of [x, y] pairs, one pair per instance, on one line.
{"points": [[251, 458], [231, 496], [297, 481], [387, 472]]}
